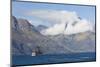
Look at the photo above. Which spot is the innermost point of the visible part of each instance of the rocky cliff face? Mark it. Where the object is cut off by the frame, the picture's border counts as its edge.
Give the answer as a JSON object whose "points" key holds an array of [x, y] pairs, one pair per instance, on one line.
{"points": [[26, 38], [81, 42]]}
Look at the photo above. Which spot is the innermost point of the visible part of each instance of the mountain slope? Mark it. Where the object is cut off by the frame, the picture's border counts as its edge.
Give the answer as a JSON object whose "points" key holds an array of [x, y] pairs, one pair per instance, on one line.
{"points": [[81, 42], [41, 27], [25, 39]]}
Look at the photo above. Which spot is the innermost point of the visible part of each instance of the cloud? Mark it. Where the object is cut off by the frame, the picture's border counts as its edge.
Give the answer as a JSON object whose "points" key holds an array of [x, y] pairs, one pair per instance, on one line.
{"points": [[55, 16], [81, 26], [54, 30], [65, 22]]}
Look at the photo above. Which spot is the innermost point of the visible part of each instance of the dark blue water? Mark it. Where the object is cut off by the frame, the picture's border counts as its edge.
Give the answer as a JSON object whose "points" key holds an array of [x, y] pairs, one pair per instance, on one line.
{"points": [[50, 59]]}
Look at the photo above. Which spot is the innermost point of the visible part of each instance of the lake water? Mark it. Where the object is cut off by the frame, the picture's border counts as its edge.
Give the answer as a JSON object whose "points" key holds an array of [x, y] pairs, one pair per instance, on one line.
{"points": [[52, 59]]}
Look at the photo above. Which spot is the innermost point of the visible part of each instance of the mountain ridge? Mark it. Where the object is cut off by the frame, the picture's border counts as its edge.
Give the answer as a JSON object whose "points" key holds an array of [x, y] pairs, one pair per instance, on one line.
{"points": [[26, 39]]}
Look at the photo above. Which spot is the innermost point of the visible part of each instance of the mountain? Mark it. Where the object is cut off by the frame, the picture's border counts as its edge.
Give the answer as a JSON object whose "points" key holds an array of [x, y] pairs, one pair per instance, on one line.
{"points": [[25, 39], [81, 42], [41, 27], [21, 41]]}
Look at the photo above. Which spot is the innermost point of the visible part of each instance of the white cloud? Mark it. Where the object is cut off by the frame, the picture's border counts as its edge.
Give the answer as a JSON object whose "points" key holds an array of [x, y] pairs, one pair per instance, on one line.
{"points": [[54, 30], [81, 26], [60, 19], [55, 16]]}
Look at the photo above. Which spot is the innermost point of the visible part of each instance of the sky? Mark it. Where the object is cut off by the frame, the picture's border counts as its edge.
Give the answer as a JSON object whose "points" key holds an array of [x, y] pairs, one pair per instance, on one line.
{"points": [[20, 10]]}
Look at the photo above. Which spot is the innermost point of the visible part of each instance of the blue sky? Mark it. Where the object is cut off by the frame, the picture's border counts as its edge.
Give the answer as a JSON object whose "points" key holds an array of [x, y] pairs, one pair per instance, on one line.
{"points": [[19, 8]]}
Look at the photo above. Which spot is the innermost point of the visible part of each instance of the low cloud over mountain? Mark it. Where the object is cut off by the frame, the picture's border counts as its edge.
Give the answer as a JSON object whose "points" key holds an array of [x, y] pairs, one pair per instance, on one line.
{"points": [[65, 22]]}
